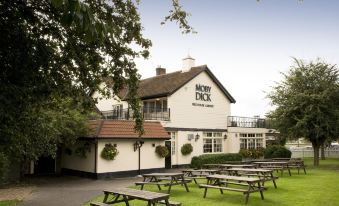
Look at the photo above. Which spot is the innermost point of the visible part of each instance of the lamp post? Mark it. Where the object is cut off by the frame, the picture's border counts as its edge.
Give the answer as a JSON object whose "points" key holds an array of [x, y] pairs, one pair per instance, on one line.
{"points": [[137, 145]]}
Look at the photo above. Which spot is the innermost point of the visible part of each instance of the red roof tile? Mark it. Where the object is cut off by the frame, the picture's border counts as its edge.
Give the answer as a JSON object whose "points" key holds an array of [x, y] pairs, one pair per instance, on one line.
{"points": [[121, 129]]}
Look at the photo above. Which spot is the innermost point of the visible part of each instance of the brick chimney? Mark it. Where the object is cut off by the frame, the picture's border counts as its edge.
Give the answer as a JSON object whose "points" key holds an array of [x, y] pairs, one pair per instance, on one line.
{"points": [[160, 71]]}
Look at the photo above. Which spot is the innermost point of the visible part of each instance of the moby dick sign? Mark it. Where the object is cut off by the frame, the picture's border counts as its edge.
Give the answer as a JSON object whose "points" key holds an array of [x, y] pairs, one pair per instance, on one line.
{"points": [[203, 93]]}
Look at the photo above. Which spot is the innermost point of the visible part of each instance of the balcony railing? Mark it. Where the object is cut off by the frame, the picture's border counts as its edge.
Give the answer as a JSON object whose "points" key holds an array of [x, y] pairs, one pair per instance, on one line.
{"points": [[248, 122], [148, 114]]}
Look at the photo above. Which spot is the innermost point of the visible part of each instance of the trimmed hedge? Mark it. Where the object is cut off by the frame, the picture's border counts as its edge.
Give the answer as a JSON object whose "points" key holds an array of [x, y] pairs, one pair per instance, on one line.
{"points": [[198, 161], [277, 151]]}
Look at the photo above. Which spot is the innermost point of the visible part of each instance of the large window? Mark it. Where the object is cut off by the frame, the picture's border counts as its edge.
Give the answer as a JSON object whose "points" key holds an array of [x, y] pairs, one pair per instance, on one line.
{"points": [[251, 140], [212, 142], [208, 146]]}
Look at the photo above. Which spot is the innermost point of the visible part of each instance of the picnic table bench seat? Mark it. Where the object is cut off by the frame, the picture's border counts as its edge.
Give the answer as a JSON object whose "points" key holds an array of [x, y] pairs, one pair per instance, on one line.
{"points": [[126, 194], [222, 182], [262, 176], [164, 183], [172, 203], [222, 188], [98, 204], [297, 164], [157, 179]]}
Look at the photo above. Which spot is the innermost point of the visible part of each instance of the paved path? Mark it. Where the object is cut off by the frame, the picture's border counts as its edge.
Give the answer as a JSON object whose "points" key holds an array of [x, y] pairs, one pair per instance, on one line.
{"points": [[70, 191]]}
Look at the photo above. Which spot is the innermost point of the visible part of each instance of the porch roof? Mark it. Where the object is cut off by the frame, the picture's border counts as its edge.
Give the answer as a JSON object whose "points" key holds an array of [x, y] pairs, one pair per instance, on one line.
{"points": [[124, 129]]}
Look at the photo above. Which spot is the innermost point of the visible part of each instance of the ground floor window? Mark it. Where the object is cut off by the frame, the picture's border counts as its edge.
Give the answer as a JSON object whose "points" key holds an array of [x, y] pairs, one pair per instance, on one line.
{"points": [[173, 139], [252, 142], [212, 142]]}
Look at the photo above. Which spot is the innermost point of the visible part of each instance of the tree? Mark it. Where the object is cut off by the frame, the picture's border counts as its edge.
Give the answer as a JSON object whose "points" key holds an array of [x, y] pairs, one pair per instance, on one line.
{"points": [[306, 103], [53, 54]]}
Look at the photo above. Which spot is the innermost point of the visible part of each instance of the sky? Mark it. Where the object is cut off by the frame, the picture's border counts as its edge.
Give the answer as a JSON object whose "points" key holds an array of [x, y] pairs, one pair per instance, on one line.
{"points": [[245, 43]]}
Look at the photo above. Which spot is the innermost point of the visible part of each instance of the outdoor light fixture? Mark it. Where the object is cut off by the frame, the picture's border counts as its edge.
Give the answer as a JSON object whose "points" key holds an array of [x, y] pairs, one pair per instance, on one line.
{"points": [[225, 136], [197, 137], [137, 145]]}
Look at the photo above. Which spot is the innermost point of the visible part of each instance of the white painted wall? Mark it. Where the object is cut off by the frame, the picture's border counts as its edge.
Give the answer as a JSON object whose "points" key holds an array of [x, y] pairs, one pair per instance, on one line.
{"points": [[127, 159], [105, 104], [78, 163], [185, 115], [182, 139]]}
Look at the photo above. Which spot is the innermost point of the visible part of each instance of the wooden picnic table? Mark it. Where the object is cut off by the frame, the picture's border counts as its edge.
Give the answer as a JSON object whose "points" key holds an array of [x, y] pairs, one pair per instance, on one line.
{"points": [[198, 173], [297, 163], [118, 195], [263, 174], [281, 159], [160, 178], [274, 165], [223, 182], [227, 166]]}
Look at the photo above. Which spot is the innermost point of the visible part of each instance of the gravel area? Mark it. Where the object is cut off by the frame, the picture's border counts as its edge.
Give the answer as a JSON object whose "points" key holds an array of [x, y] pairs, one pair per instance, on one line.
{"points": [[15, 192]]}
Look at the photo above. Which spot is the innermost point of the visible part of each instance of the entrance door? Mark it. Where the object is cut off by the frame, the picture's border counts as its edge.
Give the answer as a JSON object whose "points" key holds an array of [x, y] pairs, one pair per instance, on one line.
{"points": [[168, 161], [44, 166]]}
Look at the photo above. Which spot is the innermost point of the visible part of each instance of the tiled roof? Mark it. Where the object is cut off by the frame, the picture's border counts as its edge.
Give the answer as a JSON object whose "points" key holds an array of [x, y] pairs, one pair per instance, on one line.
{"points": [[167, 84], [124, 129]]}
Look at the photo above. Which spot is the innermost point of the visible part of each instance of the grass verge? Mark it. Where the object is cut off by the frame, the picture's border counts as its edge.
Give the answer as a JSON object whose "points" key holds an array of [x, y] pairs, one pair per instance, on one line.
{"points": [[8, 202], [319, 186]]}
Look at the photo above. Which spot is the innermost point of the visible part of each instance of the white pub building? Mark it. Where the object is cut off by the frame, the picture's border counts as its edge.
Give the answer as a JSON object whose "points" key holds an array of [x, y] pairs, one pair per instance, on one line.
{"points": [[190, 106]]}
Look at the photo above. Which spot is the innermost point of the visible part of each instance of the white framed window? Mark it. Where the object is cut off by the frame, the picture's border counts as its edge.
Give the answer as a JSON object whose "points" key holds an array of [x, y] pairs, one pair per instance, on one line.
{"points": [[173, 142], [251, 135], [260, 142], [217, 134], [212, 142], [250, 143], [251, 140], [217, 145], [208, 146], [208, 134], [243, 143], [243, 135]]}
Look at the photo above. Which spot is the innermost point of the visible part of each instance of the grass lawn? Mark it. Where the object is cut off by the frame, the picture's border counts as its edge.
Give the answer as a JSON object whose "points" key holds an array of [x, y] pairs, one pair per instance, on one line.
{"points": [[8, 202], [320, 186]]}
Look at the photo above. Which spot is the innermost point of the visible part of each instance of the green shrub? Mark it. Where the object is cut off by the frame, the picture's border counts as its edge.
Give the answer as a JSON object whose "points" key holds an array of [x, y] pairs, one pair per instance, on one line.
{"points": [[109, 152], [252, 153], [186, 149], [4, 166], [162, 151], [199, 161], [277, 151]]}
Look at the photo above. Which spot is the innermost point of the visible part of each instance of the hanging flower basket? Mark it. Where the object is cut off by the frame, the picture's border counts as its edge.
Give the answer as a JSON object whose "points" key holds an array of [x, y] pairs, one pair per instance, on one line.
{"points": [[162, 151], [109, 152], [186, 149]]}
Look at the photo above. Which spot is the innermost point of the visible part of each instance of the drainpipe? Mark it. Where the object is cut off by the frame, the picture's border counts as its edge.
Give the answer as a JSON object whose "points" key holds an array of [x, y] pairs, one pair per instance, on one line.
{"points": [[96, 157]]}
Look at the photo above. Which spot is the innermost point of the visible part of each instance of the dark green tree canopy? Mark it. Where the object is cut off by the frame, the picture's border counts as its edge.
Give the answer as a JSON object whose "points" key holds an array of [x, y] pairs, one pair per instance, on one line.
{"points": [[53, 54], [307, 102]]}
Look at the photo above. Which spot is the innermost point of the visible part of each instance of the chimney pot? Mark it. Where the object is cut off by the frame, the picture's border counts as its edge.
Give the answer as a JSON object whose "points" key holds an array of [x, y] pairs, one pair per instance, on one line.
{"points": [[160, 71], [187, 63]]}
